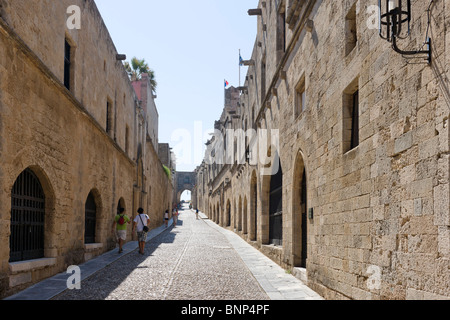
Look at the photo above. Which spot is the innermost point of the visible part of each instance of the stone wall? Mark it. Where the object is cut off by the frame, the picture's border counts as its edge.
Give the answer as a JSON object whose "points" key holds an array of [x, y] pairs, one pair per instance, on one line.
{"points": [[376, 215], [61, 135]]}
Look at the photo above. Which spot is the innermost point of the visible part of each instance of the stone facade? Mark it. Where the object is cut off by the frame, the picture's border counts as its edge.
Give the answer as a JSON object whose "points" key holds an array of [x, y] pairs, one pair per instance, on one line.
{"points": [[78, 128], [360, 205]]}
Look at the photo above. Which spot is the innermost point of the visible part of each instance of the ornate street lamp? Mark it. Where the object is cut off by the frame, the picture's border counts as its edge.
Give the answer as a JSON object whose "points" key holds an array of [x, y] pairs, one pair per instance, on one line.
{"points": [[395, 23]]}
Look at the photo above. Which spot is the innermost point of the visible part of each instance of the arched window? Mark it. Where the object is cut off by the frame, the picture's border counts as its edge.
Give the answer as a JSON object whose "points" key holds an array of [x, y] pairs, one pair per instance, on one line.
{"points": [[27, 218], [90, 211]]}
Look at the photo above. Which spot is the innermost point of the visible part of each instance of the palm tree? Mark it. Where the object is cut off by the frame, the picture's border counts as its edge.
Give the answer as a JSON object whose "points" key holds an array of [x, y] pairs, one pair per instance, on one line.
{"points": [[137, 68]]}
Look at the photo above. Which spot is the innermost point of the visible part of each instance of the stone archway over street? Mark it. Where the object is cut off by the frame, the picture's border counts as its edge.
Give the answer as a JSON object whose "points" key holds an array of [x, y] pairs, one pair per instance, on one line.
{"points": [[184, 181]]}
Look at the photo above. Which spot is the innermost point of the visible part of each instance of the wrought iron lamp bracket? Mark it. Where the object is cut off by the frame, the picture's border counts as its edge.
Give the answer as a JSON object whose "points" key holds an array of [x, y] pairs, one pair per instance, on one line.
{"points": [[393, 20]]}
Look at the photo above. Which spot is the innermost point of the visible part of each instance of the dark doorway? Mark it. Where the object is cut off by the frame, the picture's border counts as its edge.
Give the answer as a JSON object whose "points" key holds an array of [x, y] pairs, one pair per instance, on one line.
{"points": [[304, 209], [276, 208], [228, 223], [90, 210], [254, 208], [300, 213]]}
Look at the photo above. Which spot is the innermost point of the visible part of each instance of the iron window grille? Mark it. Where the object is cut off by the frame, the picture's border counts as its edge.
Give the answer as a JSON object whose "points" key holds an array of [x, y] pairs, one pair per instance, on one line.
{"points": [[27, 218]]}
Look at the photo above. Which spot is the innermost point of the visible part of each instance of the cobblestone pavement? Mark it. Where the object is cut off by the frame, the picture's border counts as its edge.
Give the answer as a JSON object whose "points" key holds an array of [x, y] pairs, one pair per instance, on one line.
{"points": [[191, 261]]}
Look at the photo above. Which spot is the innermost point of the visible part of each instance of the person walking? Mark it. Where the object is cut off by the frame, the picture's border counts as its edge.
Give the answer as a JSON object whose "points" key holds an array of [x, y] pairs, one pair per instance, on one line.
{"points": [[120, 227], [175, 217], [141, 226], [166, 218], [196, 213]]}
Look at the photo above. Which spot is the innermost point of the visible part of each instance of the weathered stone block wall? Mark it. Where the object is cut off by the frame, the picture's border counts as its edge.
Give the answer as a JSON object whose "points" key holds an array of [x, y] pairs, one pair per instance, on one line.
{"points": [[97, 75], [380, 210], [61, 135], [42, 128], [160, 189], [379, 204]]}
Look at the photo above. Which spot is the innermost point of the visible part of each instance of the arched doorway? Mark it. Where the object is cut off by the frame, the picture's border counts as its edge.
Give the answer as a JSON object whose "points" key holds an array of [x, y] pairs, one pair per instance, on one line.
{"points": [[219, 214], [28, 205], [234, 213], [90, 222], [304, 208], [300, 207], [239, 226], [217, 220], [276, 208], [228, 216], [184, 181], [245, 218], [186, 196], [253, 232]]}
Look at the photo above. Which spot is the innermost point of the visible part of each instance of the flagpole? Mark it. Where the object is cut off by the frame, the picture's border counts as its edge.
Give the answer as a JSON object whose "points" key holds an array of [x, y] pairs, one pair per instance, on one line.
{"points": [[239, 67]]}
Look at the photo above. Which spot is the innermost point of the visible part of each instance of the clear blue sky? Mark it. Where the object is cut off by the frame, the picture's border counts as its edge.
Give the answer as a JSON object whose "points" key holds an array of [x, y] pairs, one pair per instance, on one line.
{"points": [[192, 46]]}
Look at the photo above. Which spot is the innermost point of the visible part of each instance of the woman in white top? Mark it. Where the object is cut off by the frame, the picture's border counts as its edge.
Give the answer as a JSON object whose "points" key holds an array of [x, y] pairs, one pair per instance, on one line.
{"points": [[142, 220]]}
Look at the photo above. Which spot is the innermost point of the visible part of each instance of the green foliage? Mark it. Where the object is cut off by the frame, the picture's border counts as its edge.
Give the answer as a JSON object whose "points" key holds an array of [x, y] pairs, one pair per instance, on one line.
{"points": [[137, 68], [168, 172]]}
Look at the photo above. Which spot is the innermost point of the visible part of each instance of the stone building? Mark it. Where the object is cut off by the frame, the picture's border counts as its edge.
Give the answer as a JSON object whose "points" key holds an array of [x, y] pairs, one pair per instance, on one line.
{"points": [[76, 140], [184, 181], [168, 159], [342, 174], [166, 155]]}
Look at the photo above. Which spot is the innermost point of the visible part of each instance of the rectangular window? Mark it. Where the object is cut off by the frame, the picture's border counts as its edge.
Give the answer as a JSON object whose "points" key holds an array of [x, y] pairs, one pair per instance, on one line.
{"points": [[351, 117], [108, 116], [67, 64], [355, 121], [351, 37], [300, 97], [127, 140]]}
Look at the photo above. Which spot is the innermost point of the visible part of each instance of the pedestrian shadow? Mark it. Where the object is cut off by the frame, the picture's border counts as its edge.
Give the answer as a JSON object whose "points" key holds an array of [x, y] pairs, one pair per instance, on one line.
{"points": [[102, 283], [173, 231], [179, 223]]}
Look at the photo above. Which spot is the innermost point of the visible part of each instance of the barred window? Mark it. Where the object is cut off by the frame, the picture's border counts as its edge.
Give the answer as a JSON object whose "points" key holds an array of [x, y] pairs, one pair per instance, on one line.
{"points": [[27, 218]]}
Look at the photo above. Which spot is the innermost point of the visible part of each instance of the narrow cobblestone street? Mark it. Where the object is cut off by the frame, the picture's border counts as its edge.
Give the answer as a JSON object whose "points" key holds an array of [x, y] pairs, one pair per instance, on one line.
{"points": [[192, 261]]}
